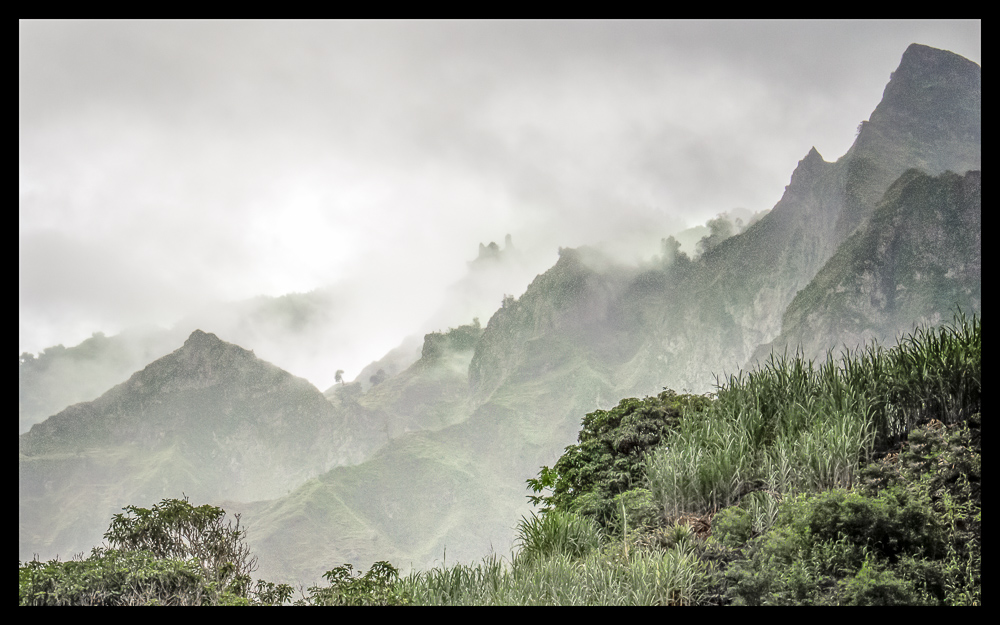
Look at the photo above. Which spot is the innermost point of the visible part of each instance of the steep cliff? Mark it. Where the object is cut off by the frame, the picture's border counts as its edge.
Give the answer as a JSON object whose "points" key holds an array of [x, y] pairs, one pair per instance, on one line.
{"points": [[916, 259]]}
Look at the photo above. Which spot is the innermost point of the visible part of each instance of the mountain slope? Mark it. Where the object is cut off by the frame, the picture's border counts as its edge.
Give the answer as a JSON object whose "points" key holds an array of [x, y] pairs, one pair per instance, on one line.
{"points": [[734, 298], [61, 376], [209, 419], [918, 257]]}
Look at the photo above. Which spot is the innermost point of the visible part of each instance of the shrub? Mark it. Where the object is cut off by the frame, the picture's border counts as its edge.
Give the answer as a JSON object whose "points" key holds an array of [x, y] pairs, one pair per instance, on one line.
{"points": [[115, 577], [379, 586], [171, 554]]}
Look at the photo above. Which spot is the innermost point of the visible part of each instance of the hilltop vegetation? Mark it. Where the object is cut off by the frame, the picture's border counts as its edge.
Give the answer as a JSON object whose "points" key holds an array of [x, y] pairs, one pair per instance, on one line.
{"points": [[851, 482]]}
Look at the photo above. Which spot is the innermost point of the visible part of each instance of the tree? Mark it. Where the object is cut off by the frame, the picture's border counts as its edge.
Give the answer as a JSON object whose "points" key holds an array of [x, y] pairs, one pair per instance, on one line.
{"points": [[172, 554], [378, 378], [594, 478], [174, 529], [721, 229], [376, 587], [339, 376]]}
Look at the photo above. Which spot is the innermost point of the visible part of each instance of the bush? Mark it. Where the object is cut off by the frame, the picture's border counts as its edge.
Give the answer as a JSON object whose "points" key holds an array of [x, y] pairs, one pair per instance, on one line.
{"points": [[875, 585], [171, 554], [732, 527], [115, 577], [379, 586], [609, 459]]}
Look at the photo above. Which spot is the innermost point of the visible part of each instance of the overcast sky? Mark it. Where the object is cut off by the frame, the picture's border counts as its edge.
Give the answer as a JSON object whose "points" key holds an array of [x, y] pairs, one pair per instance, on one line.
{"points": [[165, 165]]}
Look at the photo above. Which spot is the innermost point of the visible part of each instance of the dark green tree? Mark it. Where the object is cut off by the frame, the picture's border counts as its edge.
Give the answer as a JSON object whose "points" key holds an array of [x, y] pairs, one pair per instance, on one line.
{"points": [[606, 468], [171, 554], [379, 377]]}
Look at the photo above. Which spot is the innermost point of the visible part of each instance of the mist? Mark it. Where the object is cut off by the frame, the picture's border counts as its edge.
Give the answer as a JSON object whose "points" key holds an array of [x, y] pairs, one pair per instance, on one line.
{"points": [[170, 172]]}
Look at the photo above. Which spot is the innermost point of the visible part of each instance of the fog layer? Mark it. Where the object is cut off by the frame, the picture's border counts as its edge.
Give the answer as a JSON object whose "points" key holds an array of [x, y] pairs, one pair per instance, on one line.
{"points": [[168, 166]]}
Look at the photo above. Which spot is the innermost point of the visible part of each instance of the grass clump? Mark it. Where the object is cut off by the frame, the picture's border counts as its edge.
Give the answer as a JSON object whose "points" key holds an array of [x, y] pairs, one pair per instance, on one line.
{"points": [[557, 533]]}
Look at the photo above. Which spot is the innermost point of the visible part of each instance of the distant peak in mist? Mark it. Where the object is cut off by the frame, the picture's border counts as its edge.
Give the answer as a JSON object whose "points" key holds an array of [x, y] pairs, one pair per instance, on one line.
{"points": [[492, 252]]}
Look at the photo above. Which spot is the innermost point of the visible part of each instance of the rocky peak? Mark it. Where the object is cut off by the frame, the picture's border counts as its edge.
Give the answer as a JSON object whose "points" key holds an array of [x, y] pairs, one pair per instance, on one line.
{"points": [[808, 169], [932, 90], [201, 339]]}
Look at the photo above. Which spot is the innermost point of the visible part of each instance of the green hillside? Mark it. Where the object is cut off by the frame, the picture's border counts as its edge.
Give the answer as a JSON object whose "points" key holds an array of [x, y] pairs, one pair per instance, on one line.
{"points": [[209, 419]]}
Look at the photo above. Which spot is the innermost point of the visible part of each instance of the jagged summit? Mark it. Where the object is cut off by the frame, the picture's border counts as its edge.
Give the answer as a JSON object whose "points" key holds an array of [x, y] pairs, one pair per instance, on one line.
{"points": [[930, 115], [808, 168], [493, 252], [931, 84]]}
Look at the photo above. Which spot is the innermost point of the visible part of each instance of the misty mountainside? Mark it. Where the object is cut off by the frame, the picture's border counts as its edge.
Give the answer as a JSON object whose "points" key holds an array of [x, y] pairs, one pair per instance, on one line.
{"points": [[869, 244], [916, 259], [429, 394], [452, 493], [493, 274], [682, 322], [209, 419], [296, 331], [716, 312], [61, 376]]}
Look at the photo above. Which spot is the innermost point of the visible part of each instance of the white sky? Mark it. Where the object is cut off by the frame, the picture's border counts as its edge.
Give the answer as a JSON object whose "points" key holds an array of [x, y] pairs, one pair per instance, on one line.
{"points": [[166, 165]]}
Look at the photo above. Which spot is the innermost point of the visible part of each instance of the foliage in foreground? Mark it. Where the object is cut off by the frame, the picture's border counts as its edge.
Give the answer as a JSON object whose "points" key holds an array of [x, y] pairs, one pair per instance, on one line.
{"points": [[378, 586], [911, 534], [171, 554], [603, 477]]}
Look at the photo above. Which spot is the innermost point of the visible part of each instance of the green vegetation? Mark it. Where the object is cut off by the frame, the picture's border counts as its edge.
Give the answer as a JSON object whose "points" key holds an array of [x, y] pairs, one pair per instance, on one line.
{"points": [[852, 482], [606, 470], [855, 482], [462, 338], [171, 554]]}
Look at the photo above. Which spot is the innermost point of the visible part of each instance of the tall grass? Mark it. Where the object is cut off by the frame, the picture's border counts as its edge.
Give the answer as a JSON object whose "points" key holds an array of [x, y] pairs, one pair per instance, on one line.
{"points": [[791, 425], [557, 533], [599, 578]]}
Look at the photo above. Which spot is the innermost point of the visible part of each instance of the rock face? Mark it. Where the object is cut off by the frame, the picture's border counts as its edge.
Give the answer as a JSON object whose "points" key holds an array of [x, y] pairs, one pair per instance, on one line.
{"points": [[681, 326], [915, 260], [734, 300], [210, 420]]}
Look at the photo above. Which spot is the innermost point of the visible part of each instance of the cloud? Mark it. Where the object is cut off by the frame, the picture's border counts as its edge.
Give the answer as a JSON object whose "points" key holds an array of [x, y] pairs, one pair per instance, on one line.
{"points": [[166, 165]]}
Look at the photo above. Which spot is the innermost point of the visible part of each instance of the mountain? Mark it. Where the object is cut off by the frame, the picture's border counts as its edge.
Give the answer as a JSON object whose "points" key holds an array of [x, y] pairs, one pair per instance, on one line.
{"points": [[717, 314], [209, 419], [297, 323], [301, 332], [59, 376], [452, 437]]}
